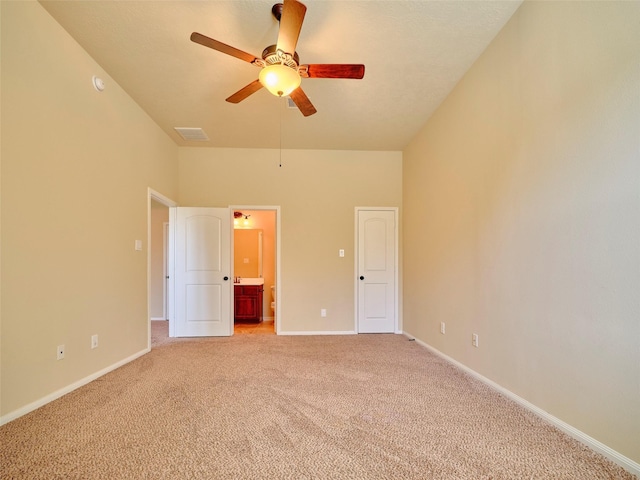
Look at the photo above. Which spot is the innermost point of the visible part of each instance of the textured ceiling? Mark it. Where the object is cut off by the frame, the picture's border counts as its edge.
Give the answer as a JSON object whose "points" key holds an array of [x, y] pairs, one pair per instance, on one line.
{"points": [[414, 52]]}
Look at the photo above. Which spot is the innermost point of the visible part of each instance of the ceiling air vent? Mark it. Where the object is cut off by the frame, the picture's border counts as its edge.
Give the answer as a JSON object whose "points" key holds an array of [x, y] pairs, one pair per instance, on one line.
{"points": [[192, 133], [291, 103]]}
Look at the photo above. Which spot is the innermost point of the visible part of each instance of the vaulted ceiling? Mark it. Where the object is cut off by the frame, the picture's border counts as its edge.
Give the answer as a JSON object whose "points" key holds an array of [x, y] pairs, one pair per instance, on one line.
{"points": [[414, 52]]}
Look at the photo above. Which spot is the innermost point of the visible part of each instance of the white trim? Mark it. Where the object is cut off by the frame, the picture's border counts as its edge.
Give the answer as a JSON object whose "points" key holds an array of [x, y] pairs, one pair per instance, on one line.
{"points": [[276, 208], [68, 389], [396, 321], [319, 332], [260, 259], [590, 442], [158, 197], [154, 319]]}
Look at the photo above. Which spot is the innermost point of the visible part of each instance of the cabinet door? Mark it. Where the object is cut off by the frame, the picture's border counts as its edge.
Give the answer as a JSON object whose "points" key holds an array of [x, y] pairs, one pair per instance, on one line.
{"points": [[246, 303]]}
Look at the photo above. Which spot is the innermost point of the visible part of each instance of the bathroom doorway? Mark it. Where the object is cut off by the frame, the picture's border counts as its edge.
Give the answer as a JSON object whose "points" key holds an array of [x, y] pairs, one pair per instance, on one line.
{"points": [[256, 268]]}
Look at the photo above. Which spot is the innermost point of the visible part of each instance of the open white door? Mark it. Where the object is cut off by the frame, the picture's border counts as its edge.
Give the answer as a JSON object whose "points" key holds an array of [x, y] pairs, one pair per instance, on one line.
{"points": [[376, 269], [202, 272]]}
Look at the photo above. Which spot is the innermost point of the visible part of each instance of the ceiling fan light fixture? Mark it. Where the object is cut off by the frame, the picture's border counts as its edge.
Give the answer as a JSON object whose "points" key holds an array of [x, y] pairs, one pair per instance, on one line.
{"points": [[279, 79]]}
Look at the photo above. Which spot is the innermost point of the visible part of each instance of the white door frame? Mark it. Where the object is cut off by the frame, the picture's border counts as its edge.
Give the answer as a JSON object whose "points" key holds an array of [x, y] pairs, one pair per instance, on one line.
{"points": [[160, 198], [278, 311], [356, 280]]}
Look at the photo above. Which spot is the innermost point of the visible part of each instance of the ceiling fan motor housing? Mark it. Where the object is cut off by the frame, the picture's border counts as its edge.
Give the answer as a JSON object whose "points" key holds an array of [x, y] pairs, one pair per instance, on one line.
{"points": [[276, 11], [271, 55]]}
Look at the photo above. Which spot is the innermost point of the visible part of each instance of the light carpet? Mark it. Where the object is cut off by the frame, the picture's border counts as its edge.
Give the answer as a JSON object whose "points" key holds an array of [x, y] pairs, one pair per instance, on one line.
{"points": [[291, 407]]}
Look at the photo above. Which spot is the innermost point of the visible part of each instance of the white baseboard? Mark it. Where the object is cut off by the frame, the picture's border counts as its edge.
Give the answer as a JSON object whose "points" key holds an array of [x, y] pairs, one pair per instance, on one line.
{"points": [[323, 332], [345, 332], [69, 388], [590, 442], [158, 318]]}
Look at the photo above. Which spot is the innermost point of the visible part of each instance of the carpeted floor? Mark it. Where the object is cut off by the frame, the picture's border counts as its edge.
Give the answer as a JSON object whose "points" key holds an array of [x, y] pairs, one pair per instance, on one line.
{"points": [[160, 331], [298, 407]]}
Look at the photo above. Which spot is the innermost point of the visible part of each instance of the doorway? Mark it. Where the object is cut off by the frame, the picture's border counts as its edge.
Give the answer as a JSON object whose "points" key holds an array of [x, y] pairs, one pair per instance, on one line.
{"points": [[274, 278], [255, 254], [158, 248], [157, 253]]}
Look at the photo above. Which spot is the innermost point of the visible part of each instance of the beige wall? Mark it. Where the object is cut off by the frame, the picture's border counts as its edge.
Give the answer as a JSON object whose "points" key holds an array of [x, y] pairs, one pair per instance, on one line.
{"points": [[522, 200], [76, 165], [317, 192]]}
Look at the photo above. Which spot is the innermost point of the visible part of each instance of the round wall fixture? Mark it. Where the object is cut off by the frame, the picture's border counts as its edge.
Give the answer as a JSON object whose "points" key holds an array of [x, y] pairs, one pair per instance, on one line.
{"points": [[98, 83]]}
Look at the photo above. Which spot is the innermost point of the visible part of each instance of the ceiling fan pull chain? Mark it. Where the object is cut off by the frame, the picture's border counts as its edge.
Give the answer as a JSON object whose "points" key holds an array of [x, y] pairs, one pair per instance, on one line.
{"points": [[281, 109]]}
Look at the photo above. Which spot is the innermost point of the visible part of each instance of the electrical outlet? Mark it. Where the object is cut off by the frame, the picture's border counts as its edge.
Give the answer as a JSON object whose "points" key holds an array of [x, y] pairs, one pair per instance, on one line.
{"points": [[323, 312], [94, 341], [474, 340], [60, 352], [442, 328]]}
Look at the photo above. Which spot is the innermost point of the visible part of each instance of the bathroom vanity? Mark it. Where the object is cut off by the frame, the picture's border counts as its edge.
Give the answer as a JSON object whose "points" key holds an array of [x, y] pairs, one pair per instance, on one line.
{"points": [[248, 300]]}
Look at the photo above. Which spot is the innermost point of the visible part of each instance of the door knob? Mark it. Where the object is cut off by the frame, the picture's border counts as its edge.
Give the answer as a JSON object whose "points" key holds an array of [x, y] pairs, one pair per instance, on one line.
{"points": [[226, 278], [361, 277]]}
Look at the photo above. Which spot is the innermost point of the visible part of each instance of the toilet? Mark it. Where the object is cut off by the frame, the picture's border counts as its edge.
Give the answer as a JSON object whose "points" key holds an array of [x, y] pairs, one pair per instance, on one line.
{"points": [[273, 300]]}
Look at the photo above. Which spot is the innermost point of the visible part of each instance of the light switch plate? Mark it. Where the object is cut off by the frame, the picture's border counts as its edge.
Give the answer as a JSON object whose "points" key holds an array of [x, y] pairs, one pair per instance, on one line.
{"points": [[138, 245]]}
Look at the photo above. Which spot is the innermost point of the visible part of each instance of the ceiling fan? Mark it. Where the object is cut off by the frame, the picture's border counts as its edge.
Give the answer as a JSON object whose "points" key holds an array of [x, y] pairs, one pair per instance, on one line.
{"points": [[281, 71]]}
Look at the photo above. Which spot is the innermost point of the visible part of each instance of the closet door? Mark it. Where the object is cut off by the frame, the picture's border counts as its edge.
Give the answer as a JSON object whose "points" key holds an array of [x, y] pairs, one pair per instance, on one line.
{"points": [[376, 271]]}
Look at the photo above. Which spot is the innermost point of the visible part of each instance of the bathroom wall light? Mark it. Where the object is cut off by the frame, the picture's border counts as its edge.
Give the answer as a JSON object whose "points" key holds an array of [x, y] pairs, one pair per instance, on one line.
{"points": [[238, 222]]}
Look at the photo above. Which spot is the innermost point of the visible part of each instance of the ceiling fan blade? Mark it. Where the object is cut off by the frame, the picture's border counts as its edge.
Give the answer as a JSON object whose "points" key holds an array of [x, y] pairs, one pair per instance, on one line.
{"points": [[332, 71], [221, 47], [302, 102], [290, 25], [243, 93]]}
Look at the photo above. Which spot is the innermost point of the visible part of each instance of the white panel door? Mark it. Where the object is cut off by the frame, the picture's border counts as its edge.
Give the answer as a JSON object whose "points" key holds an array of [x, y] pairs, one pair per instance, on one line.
{"points": [[377, 271], [202, 272]]}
